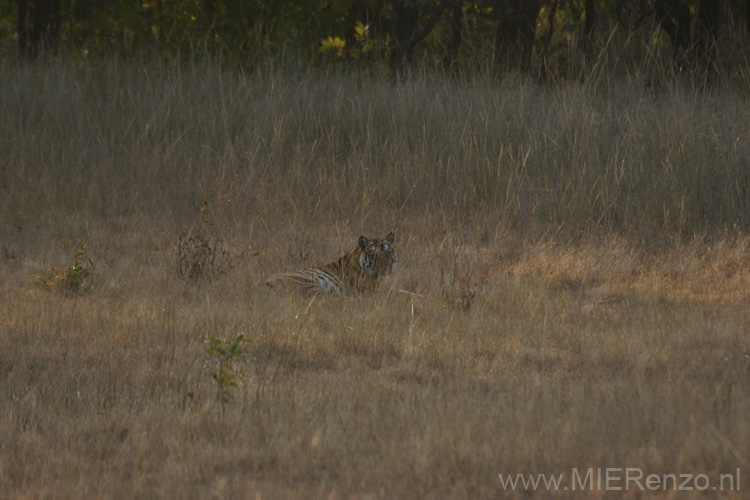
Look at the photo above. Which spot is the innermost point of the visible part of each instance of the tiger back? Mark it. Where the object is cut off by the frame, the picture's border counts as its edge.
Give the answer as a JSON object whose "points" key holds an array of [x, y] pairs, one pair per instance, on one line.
{"points": [[358, 270]]}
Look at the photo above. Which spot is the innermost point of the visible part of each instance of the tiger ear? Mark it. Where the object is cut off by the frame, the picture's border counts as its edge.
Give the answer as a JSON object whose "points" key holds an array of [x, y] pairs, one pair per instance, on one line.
{"points": [[363, 242], [390, 238]]}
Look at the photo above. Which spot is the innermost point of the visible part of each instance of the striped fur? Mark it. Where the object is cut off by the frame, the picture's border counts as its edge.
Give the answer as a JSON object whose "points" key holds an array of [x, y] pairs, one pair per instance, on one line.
{"points": [[358, 270]]}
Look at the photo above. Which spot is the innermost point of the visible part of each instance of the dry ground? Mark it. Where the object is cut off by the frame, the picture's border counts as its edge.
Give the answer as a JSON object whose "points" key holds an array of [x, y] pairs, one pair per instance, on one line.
{"points": [[505, 342], [593, 356]]}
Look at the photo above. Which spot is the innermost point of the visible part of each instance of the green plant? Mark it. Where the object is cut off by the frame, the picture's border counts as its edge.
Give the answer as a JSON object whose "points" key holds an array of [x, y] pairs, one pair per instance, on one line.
{"points": [[76, 278], [227, 361], [363, 43]]}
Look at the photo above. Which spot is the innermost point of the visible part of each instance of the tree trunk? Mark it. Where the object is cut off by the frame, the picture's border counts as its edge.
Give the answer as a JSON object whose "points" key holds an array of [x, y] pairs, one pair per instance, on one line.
{"points": [[22, 29], [674, 18], [707, 31], [588, 28], [455, 34], [406, 32], [38, 27], [516, 29], [405, 22]]}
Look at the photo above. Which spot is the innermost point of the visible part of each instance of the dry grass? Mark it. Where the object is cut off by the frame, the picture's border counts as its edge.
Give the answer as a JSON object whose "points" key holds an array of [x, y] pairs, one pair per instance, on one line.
{"points": [[598, 231]]}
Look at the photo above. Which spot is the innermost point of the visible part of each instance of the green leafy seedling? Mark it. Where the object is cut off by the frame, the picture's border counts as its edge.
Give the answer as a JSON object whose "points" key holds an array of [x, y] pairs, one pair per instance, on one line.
{"points": [[226, 360]]}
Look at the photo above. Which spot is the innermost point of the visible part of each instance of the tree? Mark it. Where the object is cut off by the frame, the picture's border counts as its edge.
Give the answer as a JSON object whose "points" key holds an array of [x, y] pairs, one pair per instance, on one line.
{"points": [[455, 32], [588, 27], [696, 46], [516, 29], [673, 17], [411, 22], [707, 31], [38, 27]]}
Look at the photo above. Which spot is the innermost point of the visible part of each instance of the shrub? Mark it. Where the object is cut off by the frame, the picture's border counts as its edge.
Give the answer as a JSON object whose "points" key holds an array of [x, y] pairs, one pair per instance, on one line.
{"points": [[76, 278], [202, 252], [461, 281]]}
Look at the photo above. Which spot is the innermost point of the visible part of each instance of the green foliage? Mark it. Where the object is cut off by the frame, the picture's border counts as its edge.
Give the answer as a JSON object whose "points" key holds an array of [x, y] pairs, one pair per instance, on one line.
{"points": [[362, 44], [75, 278], [226, 361], [347, 29], [333, 44]]}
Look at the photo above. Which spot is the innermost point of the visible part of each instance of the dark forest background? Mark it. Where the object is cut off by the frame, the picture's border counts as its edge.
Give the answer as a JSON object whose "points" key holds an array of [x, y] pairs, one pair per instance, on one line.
{"points": [[549, 37]]}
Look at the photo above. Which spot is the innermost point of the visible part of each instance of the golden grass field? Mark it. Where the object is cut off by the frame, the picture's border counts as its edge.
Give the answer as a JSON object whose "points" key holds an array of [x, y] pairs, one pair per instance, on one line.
{"points": [[572, 288]]}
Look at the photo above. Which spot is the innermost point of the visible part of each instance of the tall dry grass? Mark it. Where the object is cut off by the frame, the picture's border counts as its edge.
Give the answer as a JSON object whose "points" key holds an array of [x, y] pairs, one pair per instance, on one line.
{"points": [[574, 255], [538, 160]]}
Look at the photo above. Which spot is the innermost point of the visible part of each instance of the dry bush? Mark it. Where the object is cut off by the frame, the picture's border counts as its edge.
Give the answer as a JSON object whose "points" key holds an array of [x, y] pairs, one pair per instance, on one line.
{"points": [[201, 252], [462, 278]]}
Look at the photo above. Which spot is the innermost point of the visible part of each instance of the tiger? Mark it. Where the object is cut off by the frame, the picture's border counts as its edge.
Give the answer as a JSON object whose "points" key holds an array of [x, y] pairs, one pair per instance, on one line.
{"points": [[359, 270]]}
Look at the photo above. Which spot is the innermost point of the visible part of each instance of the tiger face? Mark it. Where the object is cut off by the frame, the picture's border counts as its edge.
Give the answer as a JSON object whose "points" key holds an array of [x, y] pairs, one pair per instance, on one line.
{"points": [[378, 256]]}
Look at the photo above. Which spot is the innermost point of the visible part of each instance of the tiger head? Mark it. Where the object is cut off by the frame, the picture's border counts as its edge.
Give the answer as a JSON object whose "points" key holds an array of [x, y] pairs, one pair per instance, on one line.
{"points": [[378, 256]]}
